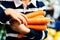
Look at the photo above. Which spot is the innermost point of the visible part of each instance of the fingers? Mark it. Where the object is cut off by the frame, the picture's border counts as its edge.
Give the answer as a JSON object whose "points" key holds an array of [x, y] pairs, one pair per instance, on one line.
{"points": [[18, 27], [23, 18], [16, 19], [13, 21], [14, 25], [16, 15]]}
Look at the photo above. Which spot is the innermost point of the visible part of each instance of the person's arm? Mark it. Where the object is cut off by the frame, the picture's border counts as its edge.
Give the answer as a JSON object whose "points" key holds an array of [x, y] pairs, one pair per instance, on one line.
{"points": [[3, 16], [8, 13], [19, 17]]}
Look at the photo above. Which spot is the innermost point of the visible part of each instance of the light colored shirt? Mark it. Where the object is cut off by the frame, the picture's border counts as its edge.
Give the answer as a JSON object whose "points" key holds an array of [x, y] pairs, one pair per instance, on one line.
{"points": [[18, 2]]}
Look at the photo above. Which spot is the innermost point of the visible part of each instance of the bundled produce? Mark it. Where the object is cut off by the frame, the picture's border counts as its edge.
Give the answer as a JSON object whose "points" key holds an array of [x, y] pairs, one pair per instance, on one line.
{"points": [[36, 21]]}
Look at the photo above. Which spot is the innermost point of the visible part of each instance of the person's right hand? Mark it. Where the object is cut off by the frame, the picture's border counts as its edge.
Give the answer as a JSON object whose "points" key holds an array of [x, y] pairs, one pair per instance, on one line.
{"points": [[21, 18], [21, 28]]}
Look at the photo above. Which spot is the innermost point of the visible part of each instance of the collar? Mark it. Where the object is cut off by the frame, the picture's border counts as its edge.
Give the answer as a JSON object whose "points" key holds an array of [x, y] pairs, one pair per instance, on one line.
{"points": [[18, 3]]}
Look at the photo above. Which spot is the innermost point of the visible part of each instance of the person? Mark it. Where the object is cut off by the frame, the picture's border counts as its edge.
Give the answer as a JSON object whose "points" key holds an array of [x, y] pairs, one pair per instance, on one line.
{"points": [[22, 6], [4, 18]]}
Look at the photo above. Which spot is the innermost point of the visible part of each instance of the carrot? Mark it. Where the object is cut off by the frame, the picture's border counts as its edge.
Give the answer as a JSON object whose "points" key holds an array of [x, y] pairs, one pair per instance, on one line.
{"points": [[33, 14], [37, 21], [20, 35], [37, 27], [39, 16], [40, 21]]}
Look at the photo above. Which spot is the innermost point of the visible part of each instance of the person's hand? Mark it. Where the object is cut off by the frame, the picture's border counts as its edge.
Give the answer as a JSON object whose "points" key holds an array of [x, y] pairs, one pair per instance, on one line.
{"points": [[21, 28], [19, 17]]}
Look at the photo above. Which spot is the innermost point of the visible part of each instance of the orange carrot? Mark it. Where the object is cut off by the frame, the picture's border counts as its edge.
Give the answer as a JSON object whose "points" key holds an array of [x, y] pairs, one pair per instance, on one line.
{"points": [[40, 21], [20, 35], [39, 16], [33, 14], [37, 27]]}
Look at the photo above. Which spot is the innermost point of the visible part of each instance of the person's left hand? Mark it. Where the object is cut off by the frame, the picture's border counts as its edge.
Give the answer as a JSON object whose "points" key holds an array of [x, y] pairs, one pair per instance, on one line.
{"points": [[19, 17]]}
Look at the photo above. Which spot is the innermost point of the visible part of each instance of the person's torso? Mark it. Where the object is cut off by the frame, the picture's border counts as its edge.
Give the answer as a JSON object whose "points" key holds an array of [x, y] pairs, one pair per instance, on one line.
{"points": [[30, 8]]}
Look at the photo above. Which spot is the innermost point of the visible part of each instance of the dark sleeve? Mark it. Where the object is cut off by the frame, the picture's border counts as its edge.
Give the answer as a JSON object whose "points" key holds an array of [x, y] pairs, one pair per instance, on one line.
{"points": [[3, 17], [38, 34], [59, 18], [40, 4]]}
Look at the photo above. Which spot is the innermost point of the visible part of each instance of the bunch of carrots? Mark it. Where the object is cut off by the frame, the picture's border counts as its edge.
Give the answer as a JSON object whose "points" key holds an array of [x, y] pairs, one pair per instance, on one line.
{"points": [[36, 21]]}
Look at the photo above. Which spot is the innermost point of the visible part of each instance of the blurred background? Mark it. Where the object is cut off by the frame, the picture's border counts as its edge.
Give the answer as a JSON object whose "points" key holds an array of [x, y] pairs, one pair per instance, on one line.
{"points": [[52, 8]]}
